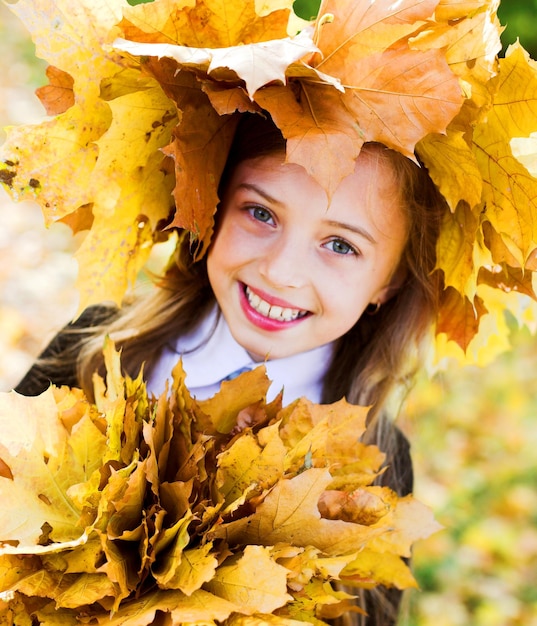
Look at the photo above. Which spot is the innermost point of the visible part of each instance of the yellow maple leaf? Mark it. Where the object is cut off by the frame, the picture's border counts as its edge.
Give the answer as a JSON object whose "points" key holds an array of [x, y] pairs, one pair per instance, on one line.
{"points": [[372, 566], [247, 466], [207, 24], [452, 165], [510, 191], [225, 405], [254, 581], [197, 567], [201, 606], [40, 456], [469, 32], [290, 514], [455, 248]]}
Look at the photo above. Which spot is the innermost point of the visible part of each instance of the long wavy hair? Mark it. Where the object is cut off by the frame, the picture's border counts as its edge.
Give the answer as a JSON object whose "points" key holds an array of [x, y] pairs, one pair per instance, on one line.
{"points": [[372, 361]]}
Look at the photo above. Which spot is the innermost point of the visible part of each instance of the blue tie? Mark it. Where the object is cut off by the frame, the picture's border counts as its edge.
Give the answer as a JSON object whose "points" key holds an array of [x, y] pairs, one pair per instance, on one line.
{"points": [[236, 373]]}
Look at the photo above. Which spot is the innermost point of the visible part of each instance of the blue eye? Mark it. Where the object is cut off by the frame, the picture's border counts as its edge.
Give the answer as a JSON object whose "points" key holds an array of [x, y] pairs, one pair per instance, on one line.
{"points": [[339, 246], [261, 214]]}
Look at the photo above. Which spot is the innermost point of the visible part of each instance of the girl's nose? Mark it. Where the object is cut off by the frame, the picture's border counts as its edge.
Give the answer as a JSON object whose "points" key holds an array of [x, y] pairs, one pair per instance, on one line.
{"points": [[285, 263]]}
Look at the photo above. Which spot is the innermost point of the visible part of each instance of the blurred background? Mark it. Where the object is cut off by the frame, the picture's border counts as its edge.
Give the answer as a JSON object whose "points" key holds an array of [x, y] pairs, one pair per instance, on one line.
{"points": [[474, 430]]}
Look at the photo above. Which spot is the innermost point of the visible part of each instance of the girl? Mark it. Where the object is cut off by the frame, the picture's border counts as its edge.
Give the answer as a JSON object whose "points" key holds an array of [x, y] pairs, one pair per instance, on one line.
{"points": [[334, 296]]}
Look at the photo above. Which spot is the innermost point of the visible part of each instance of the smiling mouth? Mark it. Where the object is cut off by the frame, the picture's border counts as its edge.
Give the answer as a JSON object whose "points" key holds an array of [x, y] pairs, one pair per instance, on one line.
{"points": [[272, 311]]}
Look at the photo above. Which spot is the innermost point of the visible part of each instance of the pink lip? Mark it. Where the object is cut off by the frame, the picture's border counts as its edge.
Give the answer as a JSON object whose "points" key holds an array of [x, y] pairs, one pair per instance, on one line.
{"points": [[262, 322]]}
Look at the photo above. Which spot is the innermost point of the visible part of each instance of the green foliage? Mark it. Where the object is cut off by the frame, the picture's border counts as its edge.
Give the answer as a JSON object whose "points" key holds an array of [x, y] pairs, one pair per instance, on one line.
{"points": [[520, 18], [306, 9]]}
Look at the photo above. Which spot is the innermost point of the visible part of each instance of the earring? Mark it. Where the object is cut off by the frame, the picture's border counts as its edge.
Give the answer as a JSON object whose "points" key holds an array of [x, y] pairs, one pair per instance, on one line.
{"points": [[373, 308]]}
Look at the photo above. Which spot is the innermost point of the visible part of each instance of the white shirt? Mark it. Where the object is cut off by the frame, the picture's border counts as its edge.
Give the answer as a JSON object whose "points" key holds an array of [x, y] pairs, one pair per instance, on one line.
{"points": [[210, 358]]}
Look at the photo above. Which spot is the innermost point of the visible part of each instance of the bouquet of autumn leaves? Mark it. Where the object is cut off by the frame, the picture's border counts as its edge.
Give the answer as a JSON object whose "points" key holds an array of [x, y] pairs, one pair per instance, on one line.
{"points": [[138, 510]]}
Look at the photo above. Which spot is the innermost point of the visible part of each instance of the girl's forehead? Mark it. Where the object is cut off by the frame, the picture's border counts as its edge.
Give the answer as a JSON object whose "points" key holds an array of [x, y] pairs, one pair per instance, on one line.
{"points": [[371, 192]]}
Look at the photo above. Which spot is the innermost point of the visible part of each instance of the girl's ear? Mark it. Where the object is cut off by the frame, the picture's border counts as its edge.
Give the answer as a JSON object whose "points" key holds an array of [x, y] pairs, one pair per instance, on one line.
{"points": [[396, 282]]}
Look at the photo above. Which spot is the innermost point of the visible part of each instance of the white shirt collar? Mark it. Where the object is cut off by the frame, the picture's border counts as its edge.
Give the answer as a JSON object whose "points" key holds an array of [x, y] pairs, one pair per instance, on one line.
{"points": [[209, 358]]}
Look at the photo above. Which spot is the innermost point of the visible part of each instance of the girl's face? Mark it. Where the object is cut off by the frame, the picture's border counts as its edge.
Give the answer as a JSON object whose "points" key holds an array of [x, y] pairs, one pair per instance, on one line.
{"points": [[292, 271]]}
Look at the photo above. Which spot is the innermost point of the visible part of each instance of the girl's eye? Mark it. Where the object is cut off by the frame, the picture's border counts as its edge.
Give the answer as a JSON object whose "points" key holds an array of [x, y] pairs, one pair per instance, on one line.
{"points": [[261, 214], [339, 246]]}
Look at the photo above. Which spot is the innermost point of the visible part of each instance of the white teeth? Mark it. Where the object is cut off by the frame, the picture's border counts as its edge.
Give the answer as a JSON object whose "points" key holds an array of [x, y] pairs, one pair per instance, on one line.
{"points": [[273, 312]]}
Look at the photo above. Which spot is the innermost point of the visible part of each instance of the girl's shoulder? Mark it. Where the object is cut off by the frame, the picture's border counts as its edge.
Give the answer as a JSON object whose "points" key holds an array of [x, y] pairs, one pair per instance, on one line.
{"points": [[57, 363]]}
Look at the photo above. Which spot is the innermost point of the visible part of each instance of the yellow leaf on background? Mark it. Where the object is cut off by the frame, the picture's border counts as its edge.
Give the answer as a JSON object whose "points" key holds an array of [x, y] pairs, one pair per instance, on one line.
{"points": [[227, 403], [131, 195], [39, 453], [455, 9], [201, 606], [368, 81], [408, 521], [254, 581], [246, 465], [365, 506], [290, 514], [321, 432], [452, 166], [197, 567], [199, 154], [207, 24], [262, 620], [166, 572], [459, 317], [455, 248], [510, 191], [471, 40], [85, 589], [372, 566]]}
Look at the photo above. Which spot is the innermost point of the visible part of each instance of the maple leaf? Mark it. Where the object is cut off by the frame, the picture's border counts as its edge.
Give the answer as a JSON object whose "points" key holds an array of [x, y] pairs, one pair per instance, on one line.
{"points": [[456, 249], [253, 580], [210, 24], [460, 317], [372, 74], [58, 95], [452, 165], [508, 183], [42, 464], [225, 405], [388, 568], [259, 63], [290, 513]]}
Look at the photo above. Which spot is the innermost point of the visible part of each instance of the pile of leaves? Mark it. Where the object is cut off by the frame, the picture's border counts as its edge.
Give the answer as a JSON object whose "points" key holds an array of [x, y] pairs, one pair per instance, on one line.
{"points": [[143, 102], [134, 507]]}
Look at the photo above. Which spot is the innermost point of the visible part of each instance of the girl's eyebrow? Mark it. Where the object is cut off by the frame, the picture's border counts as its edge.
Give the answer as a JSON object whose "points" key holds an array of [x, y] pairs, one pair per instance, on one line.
{"points": [[260, 191], [362, 232], [354, 229]]}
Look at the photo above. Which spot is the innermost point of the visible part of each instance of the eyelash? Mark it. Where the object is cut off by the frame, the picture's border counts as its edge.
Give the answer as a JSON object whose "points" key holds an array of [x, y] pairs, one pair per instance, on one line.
{"points": [[350, 249]]}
